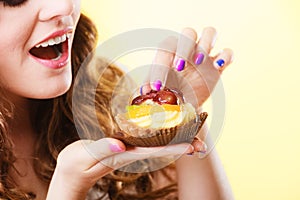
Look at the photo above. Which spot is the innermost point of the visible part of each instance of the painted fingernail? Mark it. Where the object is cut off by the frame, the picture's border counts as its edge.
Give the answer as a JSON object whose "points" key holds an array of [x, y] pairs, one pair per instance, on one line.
{"points": [[157, 85], [199, 57], [180, 64], [203, 148], [115, 148], [141, 90], [220, 62]]}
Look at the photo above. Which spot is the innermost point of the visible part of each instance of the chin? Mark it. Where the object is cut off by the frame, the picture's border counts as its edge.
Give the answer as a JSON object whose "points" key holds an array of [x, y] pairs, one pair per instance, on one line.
{"points": [[57, 92], [49, 91], [57, 85]]}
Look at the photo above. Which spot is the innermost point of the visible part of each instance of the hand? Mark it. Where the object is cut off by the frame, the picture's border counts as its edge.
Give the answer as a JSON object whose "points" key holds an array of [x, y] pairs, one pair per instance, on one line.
{"points": [[82, 163], [185, 64]]}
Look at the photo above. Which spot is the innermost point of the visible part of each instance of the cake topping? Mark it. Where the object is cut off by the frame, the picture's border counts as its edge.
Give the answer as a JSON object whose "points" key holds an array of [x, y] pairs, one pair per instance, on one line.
{"points": [[165, 96]]}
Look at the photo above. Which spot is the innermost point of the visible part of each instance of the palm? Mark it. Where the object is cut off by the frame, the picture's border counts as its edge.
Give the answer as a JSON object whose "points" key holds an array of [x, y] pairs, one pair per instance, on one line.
{"points": [[195, 82]]}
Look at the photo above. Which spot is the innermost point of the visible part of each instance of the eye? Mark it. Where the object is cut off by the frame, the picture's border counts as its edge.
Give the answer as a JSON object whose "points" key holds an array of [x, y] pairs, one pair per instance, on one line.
{"points": [[13, 3]]}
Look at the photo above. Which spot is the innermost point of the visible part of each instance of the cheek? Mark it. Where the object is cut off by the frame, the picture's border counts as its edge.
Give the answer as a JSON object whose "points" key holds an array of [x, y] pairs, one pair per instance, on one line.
{"points": [[77, 9], [13, 38], [9, 44], [36, 84], [44, 87]]}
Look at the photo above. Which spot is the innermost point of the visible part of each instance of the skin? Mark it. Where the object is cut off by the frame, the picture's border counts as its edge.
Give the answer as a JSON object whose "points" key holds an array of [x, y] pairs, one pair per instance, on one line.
{"points": [[21, 28], [205, 177], [78, 169], [39, 19]]}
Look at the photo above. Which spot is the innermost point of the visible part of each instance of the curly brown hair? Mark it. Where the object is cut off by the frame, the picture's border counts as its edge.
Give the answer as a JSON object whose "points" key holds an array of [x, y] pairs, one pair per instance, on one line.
{"points": [[54, 123]]}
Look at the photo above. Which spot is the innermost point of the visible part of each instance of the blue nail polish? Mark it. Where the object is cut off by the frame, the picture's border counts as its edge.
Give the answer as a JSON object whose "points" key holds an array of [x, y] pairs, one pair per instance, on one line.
{"points": [[220, 62], [157, 85], [199, 57], [180, 64]]}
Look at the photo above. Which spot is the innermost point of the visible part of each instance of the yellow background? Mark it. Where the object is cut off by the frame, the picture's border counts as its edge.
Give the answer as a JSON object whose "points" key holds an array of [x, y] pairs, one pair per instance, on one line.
{"points": [[260, 141]]}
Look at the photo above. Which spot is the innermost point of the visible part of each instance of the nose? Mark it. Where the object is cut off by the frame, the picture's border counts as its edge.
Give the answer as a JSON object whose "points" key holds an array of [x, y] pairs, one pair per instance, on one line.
{"points": [[55, 9]]}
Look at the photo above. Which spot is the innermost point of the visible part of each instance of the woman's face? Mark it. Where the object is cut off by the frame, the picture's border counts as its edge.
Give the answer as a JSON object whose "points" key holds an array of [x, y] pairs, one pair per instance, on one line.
{"points": [[35, 46]]}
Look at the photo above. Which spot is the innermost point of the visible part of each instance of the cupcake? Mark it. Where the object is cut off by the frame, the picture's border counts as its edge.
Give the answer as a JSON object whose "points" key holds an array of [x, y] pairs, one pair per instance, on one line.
{"points": [[158, 118]]}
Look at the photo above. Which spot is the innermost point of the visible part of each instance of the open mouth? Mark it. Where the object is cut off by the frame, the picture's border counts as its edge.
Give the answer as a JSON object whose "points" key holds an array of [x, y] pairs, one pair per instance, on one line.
{"points": [[52, 49], [47, 53]]}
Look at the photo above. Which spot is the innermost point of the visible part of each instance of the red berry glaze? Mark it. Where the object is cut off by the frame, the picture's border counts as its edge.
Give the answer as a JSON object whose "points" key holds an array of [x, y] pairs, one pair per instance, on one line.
{"points": [[165, 96]]}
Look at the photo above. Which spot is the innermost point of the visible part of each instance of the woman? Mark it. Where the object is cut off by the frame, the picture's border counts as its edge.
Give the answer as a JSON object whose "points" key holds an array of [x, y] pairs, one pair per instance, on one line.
{"points": [[41, 155]]}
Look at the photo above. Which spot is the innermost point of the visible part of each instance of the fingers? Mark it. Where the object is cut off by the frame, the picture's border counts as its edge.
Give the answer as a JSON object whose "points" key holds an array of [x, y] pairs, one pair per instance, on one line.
{"points": [[199, 145], [87, 156], [207, 40], [91, 160], [185, 47], [117, 161], [164, 59], [206, 43], [177, 53], [103, 148], [161, 63], [140, 153], [80, 156], [204, 46], [223, 59]]}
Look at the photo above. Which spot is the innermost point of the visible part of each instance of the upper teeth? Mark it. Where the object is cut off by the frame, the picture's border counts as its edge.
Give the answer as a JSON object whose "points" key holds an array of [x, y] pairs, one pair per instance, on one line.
{"points": [[54, 41]]}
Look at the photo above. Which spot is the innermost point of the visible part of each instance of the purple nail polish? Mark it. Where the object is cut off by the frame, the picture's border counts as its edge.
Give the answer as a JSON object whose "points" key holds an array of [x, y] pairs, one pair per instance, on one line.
{"points": [[157, 85], [141, 90], [180, 64], [220, 62], [199, 57], [203, 149], [115, 148]]}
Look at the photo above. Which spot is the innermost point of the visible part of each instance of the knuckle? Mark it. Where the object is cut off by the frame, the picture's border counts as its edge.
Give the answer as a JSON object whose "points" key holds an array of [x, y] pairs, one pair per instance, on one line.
{"points": [[113, 162], [189, 32], [210, 30], [228, 51]]}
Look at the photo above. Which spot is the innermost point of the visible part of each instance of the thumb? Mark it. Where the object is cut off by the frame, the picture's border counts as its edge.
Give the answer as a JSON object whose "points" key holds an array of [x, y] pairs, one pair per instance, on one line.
{"points": [[140, 153]]}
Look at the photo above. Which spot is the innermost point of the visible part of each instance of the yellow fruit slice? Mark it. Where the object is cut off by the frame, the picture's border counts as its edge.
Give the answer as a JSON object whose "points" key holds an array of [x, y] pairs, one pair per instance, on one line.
{"points": [[138, 111], [169, 107], [135, 111]]}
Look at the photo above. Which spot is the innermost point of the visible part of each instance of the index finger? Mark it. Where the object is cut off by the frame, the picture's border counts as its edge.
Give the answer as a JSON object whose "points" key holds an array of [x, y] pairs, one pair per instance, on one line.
{"points": [[162, 63]]}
